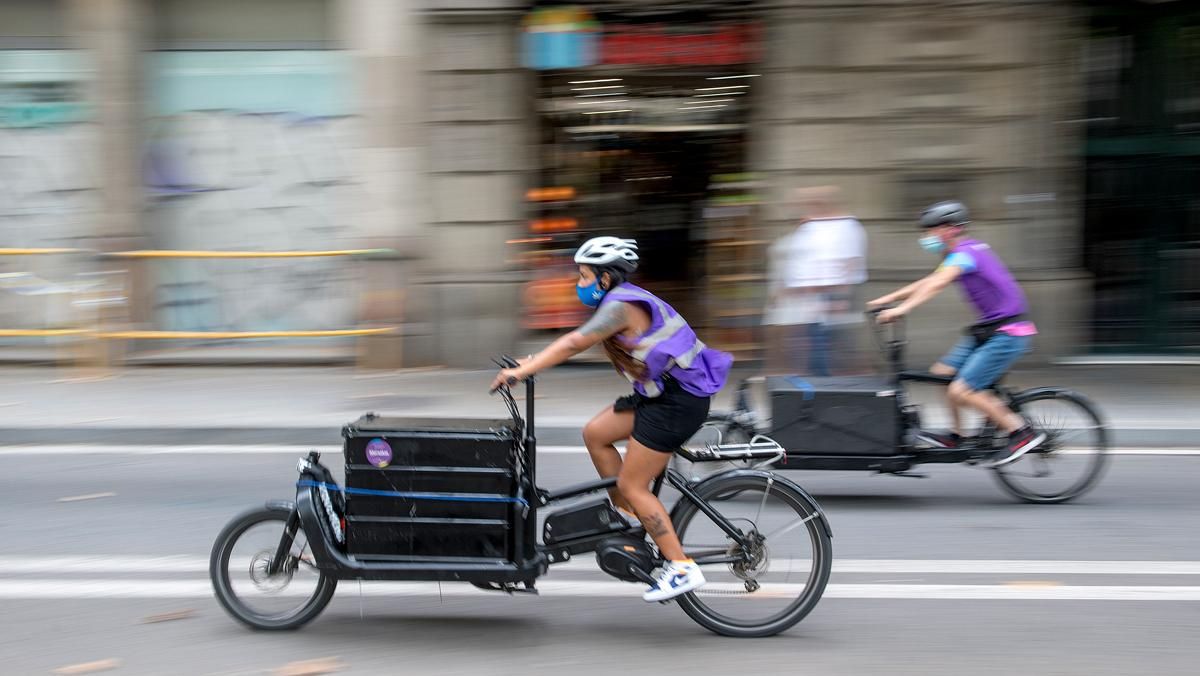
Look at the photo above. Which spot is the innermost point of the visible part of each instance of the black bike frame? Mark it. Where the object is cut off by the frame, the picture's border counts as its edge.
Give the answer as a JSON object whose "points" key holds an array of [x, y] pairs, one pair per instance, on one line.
{"points": [[680, 483]]}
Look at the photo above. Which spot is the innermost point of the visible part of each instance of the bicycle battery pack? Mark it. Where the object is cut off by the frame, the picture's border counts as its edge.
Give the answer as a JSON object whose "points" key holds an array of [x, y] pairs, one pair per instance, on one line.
{"points": [[594, 517]]}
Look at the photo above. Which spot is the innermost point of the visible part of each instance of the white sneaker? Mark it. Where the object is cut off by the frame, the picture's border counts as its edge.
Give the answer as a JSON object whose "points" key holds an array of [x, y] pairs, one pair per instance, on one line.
{"points": [[677, 577]]}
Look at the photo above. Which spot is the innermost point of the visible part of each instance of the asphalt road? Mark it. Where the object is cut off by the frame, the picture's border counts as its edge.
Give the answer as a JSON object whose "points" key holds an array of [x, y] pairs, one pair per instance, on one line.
{"points": [[104, 567]]}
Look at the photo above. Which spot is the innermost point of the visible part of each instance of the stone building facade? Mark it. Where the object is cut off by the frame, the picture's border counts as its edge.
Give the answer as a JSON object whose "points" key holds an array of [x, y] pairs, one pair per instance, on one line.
{"points": [[900, 102]]}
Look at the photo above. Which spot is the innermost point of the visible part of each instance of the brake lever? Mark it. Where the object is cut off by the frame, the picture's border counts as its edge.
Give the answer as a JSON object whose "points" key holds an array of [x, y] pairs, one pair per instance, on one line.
{"points": [[510, 383], [506, 362]]}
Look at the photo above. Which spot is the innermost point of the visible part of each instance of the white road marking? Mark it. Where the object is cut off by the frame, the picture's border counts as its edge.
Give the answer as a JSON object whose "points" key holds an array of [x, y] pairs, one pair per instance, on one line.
{"points": [[159, 589], [258, 449], [89, 496], [102, 564]]}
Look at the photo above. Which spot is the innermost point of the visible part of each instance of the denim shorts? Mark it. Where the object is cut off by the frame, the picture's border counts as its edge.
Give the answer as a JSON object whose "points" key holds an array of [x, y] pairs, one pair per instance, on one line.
{"points": [[980, 367]]}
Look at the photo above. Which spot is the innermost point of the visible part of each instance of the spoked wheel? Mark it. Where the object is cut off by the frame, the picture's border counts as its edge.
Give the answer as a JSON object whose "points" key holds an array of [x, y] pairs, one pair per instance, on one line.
{"points": [[239, 571], [1073, 457], [787, 563]]}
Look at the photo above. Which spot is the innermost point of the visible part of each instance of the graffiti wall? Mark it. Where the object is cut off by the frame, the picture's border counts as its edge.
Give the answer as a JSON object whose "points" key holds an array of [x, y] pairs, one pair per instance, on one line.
{"points": [[48, 186], [249, 151]]}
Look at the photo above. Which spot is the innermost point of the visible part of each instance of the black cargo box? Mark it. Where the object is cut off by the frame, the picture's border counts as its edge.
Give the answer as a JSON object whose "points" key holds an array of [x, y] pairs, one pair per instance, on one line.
{"points": [[426, 489], [839, 416]]}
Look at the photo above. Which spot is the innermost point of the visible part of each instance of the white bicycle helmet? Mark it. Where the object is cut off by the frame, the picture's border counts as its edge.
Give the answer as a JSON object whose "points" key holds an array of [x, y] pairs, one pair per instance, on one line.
{"points": [[609, 251]]}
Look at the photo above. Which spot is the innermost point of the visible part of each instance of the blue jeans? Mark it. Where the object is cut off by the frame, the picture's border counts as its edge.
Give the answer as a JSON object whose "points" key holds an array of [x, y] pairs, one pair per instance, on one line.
{"points": [[818, 350], [980, 367]]}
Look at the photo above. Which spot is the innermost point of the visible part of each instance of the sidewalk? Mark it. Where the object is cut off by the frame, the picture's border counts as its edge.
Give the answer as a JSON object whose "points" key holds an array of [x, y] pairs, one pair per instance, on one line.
{"points": [[1145, 406]]}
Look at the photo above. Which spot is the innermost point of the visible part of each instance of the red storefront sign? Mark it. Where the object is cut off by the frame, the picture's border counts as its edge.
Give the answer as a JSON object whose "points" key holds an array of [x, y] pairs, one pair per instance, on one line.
{"points": [[656, 45]]}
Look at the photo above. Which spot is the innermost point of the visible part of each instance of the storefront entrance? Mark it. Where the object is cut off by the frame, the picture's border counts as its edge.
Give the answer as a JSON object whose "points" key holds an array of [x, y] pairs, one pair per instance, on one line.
{"points": [[650, 142], [1142, 210]]}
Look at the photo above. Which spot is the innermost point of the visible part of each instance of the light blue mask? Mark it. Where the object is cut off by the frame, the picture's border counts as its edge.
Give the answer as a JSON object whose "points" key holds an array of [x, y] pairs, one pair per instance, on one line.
{"points": [[933, 244], [590, 295]]}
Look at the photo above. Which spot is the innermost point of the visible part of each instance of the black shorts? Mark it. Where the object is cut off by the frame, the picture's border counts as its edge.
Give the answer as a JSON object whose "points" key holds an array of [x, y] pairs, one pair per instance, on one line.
{"points": [[665, 422]]}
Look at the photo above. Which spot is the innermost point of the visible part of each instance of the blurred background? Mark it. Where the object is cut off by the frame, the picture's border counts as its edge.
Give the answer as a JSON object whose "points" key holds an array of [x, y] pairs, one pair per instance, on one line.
{"points": [[428, 167], [361, 189]]}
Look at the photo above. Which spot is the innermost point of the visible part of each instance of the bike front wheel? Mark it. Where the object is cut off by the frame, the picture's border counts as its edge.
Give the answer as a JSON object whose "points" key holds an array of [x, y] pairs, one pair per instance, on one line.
{"points": [[1071, 460], [787, 564], [239, 566]]}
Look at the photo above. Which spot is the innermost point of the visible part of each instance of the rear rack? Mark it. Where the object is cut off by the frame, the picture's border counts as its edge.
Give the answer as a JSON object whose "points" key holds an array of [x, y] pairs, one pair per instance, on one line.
{"points": [[761, 448]]}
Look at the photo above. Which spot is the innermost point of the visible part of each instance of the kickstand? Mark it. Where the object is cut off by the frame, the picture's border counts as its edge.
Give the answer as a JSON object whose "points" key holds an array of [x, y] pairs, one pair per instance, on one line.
{"points": [[911, 475]]}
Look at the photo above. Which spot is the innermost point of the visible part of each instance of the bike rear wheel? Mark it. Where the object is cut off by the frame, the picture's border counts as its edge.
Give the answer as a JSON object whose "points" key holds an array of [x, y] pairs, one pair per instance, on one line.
{"points": [[238, 568], [1071, 460], [790, 560]]}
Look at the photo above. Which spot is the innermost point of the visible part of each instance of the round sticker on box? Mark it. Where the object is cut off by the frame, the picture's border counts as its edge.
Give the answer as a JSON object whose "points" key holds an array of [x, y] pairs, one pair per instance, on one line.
{"points": [[379, 453]]}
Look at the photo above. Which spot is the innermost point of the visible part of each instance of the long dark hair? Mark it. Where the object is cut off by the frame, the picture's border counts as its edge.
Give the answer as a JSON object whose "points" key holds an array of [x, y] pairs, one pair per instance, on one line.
{"points": [[621, 359]]}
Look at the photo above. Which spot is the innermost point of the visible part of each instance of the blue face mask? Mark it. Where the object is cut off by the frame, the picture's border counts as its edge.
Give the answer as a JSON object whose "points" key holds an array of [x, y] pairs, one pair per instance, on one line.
{"points": [[591, 294], [933, 244]]}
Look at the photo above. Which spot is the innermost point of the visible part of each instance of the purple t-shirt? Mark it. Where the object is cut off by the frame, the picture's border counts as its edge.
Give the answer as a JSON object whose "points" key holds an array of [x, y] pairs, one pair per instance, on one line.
{"points": [[989, 287]]}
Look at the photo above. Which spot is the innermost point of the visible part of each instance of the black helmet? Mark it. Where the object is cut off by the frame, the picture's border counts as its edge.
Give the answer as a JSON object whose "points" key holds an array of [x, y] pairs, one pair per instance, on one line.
{"points": [[945, 213]]}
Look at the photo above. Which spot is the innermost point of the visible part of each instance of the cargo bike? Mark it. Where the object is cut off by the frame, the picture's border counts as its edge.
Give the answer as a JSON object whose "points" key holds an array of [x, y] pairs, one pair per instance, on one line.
{"points": [[870, 423], [458, 501]]}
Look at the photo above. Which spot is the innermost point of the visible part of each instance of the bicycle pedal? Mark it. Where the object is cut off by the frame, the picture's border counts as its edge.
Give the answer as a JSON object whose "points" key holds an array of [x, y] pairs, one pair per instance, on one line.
{"points": [[506, 587]]}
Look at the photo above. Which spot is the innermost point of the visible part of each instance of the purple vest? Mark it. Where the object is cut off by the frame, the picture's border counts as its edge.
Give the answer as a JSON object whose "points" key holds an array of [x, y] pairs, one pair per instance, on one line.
{"points": [[670, 347], [990, 288]]}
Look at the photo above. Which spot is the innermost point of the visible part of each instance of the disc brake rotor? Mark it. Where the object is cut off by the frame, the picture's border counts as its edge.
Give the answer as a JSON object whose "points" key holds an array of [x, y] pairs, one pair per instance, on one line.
{"points": [[267, 583]]}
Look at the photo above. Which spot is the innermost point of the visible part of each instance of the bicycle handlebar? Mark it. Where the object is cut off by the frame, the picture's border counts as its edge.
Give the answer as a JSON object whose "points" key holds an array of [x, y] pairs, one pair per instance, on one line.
{"points": [[525, 440], [509, 384], [891, 346], [505, 362]]}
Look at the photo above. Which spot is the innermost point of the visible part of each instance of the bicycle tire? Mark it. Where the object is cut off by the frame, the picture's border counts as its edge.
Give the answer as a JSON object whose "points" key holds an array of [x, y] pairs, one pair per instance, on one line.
{"points": [[814, 527], [1007, 476], [223, 586]]}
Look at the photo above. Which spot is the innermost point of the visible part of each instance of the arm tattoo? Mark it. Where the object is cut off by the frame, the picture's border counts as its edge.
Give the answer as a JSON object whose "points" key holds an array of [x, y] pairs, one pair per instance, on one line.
{"points": [[609, 319]]}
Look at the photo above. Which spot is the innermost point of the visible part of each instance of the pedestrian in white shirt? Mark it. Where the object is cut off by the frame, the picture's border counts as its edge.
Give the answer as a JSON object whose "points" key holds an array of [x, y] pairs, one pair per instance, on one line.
{"points": [[816, 277]]}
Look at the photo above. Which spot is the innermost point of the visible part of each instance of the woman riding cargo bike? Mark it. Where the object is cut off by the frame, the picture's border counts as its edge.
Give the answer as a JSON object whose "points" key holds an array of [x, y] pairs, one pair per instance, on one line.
{"points": [[744, 552], [674, 377]]}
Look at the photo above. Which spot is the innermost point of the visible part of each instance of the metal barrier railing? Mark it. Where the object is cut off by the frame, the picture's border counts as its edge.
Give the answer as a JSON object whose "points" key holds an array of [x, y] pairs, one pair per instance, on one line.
{"points": [[166, 253], [95, 291], [138, 334], [75, 328]]}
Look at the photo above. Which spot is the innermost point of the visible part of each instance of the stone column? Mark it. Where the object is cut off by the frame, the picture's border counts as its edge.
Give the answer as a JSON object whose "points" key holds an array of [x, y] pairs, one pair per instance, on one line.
{"points": [[113, 32], [388, 46], [114, 35], [479, 107]]}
